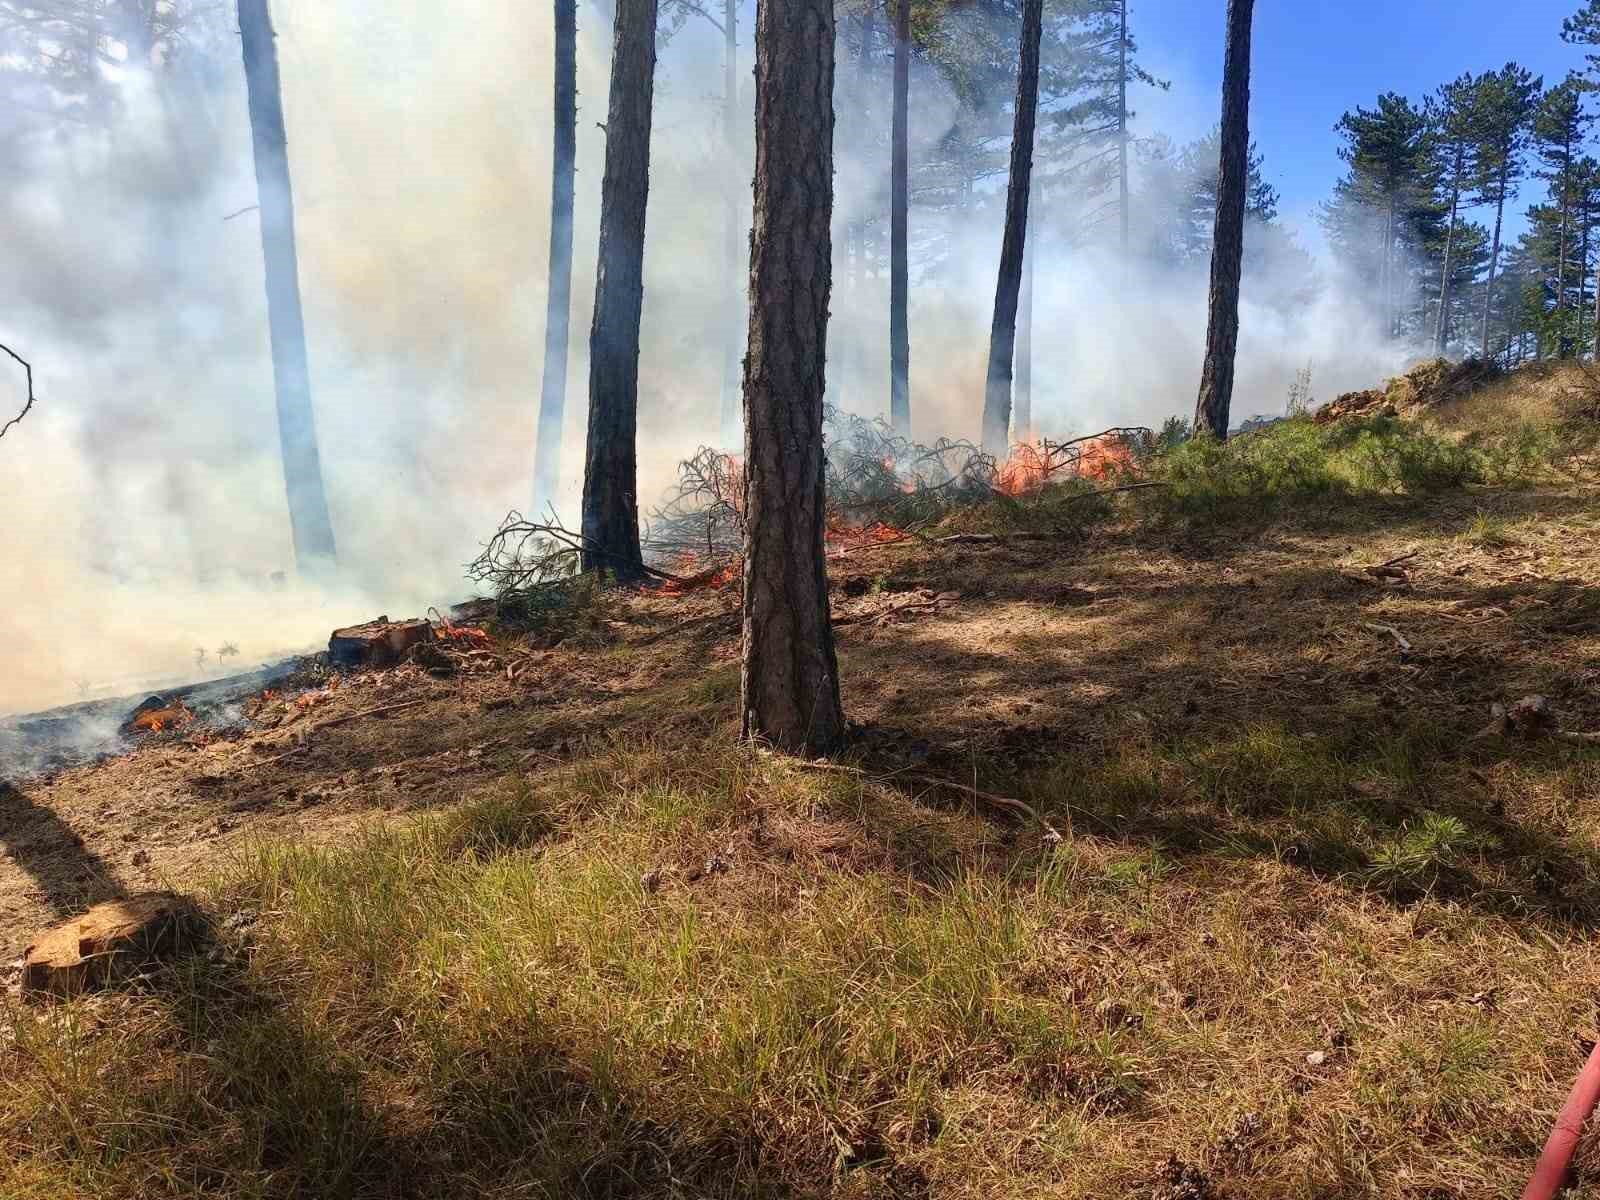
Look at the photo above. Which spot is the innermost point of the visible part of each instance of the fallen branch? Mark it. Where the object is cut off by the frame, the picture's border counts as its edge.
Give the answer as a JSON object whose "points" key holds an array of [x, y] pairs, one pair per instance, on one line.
{"points": [[1005, 802], [1395, 562], [344, 720], [883, 613], [662, 634], [1584, 739], [1399, 639], [27, 368], [371, 712]]}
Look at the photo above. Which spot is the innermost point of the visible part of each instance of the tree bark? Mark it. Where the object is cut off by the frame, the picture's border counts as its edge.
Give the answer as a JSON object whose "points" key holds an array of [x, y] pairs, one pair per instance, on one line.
{"points": [[558, 303], [297, 431], [1494, 256], [1561, 254], [1122, 127], [1583, 275], [1227, 252], [899, 186], [1022, 385], [1003, 327], [730, 249], [790, 678], [610, 480], [1442, 321]]}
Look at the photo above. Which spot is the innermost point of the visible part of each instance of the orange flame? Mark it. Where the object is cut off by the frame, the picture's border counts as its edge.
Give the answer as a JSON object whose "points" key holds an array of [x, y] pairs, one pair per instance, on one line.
{"points": [[471, 635], [158, 720]]}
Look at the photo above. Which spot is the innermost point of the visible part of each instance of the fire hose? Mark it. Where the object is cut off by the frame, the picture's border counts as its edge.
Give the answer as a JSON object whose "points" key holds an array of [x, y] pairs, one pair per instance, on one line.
{"points": [[1551, 1171]]}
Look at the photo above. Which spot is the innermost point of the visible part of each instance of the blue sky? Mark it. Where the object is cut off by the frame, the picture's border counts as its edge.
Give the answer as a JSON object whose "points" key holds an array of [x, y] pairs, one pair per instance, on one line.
{"points": [[1313, 59]]}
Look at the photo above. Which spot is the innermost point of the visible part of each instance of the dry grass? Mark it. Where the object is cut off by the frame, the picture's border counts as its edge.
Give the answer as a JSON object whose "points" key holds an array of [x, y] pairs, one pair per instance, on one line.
{"points": [[657, 975], [1302, 933]]}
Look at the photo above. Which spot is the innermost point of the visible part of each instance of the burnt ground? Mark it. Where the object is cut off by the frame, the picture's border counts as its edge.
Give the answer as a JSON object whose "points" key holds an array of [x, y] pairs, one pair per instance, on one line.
{"points": [[969, 660]]}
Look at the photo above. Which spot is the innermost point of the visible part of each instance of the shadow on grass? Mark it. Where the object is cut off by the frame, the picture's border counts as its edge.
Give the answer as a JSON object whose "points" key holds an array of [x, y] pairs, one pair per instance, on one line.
{"points": [[263, 1091], [70, 875]]}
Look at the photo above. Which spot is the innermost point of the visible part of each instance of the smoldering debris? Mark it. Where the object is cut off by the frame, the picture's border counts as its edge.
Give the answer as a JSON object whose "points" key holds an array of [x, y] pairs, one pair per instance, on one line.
{"points": [[84, 733]]}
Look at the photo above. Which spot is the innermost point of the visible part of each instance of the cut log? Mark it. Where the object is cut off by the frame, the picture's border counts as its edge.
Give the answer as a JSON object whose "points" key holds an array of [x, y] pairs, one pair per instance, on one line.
{"points": [[115, 937], [379, 643]]}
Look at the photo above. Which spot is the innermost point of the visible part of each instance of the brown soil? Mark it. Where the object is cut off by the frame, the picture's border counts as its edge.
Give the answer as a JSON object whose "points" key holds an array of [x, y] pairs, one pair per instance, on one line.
{"points": [[949, 655]]}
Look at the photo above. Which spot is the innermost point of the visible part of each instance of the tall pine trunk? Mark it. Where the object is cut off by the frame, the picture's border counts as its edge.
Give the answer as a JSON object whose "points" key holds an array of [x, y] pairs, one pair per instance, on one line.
{"points": [[899, 187], [730, 247], [1022, 384], [1494, 257], [610, 480], [1122, 127], [297, 430], [1561, 255], [1003, 328], [790, 676], [558, 303], [1441, 323], [1227, 246], [1583, 276]]}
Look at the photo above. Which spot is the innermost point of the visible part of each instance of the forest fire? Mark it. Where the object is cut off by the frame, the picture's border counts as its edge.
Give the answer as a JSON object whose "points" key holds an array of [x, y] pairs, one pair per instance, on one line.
{"points": [[159, 717], [1034, 464]]}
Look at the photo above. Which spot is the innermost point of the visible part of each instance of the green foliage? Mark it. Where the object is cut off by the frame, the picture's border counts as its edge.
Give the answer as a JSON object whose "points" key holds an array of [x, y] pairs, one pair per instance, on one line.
{"points": [[1297, 460], [1415, 861], [1215, 480], [1395, 456]]}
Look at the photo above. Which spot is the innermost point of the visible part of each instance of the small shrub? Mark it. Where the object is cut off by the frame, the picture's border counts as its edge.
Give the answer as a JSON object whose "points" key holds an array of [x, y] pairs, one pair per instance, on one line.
{"points": [[1215, 480], [1414, 862], [1389, 455]]}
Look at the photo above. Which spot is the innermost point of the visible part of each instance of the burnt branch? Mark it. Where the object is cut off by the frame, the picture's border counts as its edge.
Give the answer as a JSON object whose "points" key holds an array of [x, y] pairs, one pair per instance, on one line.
{"points": [[26, 408], [532, 564]]}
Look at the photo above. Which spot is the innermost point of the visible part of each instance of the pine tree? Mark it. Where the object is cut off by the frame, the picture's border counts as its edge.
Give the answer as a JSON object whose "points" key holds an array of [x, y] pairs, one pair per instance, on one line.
{"points": [[1380, 208], [1583, 29], [1502, 112], [1227, 255], [1183, 225], [1003, 328], [790, 676], [1560, 125], [610, 478], [558, 303], [733, 341], [899, 251], [1453, 143], [302, 462]]}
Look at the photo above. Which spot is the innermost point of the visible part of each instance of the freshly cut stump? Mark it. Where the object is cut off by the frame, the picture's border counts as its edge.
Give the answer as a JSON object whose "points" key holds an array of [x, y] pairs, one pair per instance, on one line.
{"points": [[117, 936], [379, 643]]}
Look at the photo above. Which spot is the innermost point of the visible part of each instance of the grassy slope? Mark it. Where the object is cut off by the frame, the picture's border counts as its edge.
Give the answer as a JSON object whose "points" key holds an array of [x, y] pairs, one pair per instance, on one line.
{"points": [[673, 966]]}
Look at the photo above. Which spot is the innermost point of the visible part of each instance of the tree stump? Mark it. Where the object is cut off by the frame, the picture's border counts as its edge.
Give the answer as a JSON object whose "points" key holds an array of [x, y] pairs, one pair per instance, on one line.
{"points": [[117, 936], [379, 643]]}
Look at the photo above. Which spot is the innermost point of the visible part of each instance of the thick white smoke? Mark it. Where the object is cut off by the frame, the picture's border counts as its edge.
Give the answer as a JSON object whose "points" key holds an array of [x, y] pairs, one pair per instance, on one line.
{"points": [[145, 514]]}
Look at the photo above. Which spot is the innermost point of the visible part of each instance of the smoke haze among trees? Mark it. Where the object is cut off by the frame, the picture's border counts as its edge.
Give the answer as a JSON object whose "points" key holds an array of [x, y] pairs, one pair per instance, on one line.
{"points": [[421, 157]]}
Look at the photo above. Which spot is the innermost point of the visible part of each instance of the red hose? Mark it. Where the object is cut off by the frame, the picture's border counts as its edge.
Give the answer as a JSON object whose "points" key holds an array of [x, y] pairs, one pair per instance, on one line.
{"points": [[1551, 1172]]}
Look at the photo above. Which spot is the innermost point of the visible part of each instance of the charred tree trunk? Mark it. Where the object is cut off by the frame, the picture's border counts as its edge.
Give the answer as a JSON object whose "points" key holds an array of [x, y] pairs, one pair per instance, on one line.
{"points": [[1494, 257], [1227, 252], [730, 249], [790, 679], [899, 270], [558, 306], [297, 430], [1022, 385], [1442, 322], [611, 468], [1003, 328]]}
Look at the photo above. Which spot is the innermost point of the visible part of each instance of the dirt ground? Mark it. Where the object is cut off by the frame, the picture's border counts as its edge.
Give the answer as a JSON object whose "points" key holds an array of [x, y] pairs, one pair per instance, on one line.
{"points": [[952, 657]]}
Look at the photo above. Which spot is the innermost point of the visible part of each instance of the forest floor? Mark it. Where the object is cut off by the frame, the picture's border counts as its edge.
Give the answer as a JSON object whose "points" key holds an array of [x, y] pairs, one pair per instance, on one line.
{"points": [[1287, 928]]}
